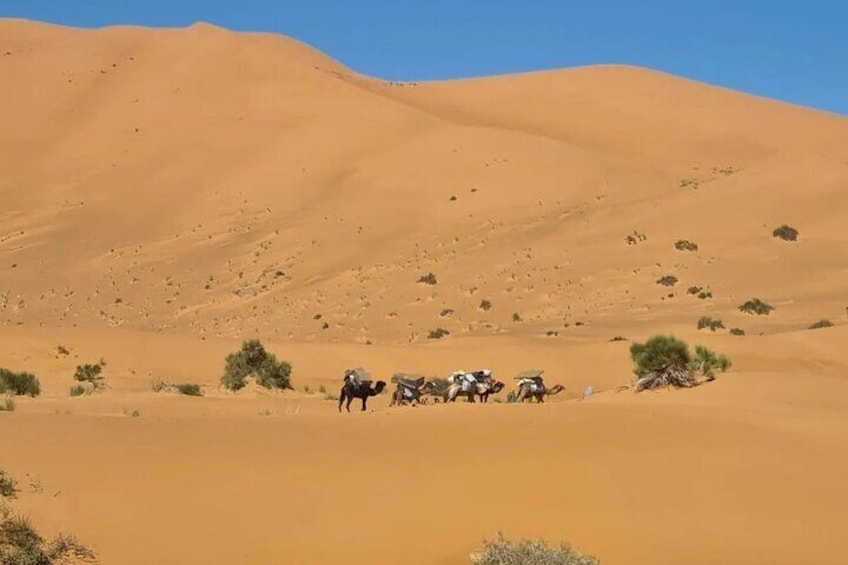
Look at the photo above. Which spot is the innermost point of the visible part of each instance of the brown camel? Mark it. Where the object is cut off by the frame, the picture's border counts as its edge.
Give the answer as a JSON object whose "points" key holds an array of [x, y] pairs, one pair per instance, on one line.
{"points": [[531, 385], [357, 384]]}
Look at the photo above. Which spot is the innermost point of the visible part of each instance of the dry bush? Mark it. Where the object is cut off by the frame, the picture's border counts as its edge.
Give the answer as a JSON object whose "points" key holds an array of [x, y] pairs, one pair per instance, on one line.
{"points": [[821, 324], [529, 552]]}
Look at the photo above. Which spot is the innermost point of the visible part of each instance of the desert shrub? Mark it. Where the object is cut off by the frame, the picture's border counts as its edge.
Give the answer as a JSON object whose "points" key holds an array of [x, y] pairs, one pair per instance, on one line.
{"points": [[685, 245], [707, 322], [62, 350], [668, 280], [446, 312], [708, 362], [737, 331], [19, 384], [529, 552], [8, 404], [704, 294], [786, 233], [821, 324], [756, 306], [516, 317], [618, 338], [253, 361], [665, 361], [21, 544], [187, 389], [552, 333], [8, 486], [438, 333], [485, 304], [91, 374], [693, 290], [77, 390], [429, 278]]}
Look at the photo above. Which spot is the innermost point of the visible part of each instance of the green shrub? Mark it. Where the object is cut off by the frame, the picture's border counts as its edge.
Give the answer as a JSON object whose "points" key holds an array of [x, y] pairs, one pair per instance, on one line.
{"points": [[91, 374], [668, 280], [786, 233], [707, 362], [189, 389], [529, 552], [77, 390], [429, 278], [693, 290], [19, 384], [756, 306], [685, 245], [485, 305], [253, 361], [658, 353], [516, 317], [821, 324], [703, 295], [737, 331], [707, 322], [665, 361], [438, 333]]}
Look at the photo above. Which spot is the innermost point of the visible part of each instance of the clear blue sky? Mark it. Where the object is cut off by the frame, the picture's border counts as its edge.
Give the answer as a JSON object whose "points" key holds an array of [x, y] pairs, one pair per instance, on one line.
{"points": [[792, 51]]}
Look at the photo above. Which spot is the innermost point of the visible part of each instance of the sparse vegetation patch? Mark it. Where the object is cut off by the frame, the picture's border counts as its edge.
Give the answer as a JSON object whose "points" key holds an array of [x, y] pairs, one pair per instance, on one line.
{"points": [[707, 322], [821, 324], [685, 245], [635, 237], [187, 389], [429, 278], [438, 333], [737, 331], [756, 306], [786, 233], [485, 305], [667, 280]]}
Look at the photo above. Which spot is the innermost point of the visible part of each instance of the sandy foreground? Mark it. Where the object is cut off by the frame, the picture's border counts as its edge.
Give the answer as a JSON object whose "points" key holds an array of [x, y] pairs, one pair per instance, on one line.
{"points": [[166, 194]]}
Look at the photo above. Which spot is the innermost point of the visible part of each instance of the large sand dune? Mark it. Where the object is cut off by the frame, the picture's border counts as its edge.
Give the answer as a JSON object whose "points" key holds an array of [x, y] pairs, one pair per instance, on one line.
{"points": [[165, 194]]}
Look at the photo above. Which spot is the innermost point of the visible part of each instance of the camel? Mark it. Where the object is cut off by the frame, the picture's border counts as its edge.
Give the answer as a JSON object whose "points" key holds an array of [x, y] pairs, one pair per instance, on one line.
{"points": [[410, 389], [531, 385], [481, 389], [358, 387]]}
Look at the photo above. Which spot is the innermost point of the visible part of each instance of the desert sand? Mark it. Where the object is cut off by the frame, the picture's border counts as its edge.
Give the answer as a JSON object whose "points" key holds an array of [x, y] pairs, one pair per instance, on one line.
{"points": [[166, 194]]}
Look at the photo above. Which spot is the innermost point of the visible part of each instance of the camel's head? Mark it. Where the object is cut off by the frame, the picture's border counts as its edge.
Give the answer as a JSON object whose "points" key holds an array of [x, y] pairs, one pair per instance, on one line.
{"points": [[498, 386], [379, 387]]}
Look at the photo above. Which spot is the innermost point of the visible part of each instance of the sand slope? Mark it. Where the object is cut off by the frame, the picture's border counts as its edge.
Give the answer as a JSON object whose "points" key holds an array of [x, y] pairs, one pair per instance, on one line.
{"points": [[167, 193]]}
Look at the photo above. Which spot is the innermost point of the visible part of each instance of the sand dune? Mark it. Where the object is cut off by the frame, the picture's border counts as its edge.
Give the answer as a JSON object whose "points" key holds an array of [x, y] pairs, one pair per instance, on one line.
{"points": [[167, 193]]}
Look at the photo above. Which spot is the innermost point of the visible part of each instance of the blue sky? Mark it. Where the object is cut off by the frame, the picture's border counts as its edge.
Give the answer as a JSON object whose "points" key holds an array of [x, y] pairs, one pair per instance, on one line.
{"points": [[792, 51]]}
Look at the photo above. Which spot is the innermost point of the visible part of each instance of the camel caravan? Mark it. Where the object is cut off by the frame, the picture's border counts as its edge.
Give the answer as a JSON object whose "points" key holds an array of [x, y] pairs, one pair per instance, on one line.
{"points": [[413, 389]]}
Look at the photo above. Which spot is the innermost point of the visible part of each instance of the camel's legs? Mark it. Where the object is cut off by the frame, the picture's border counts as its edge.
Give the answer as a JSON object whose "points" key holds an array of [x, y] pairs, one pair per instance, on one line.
{"points": [[349, 400], [364, 401], [341, 398]]}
